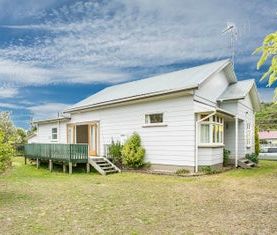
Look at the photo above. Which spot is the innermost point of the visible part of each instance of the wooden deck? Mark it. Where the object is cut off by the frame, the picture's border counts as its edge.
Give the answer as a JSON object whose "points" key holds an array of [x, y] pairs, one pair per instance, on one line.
{"points": [[67, 154]]}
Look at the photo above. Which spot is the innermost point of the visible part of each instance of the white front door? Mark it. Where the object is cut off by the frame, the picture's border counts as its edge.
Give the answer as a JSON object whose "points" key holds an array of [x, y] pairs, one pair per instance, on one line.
{"points": [[70, 134]]}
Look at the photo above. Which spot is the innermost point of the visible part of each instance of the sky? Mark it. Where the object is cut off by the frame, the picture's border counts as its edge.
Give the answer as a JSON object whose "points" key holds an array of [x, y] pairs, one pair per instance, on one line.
{"points": [[55, 53]]}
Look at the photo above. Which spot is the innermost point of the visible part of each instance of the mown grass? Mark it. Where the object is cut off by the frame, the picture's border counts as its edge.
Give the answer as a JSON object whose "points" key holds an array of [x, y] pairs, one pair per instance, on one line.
{"points": [[39, 202]]}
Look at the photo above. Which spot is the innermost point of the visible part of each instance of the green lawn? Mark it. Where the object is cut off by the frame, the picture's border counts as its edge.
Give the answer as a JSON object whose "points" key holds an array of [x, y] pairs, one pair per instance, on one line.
{"points": [[38, 202]]}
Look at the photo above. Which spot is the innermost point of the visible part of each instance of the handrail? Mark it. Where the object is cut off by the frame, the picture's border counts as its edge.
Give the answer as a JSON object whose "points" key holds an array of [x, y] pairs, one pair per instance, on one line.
{"points": [[57, 152]]}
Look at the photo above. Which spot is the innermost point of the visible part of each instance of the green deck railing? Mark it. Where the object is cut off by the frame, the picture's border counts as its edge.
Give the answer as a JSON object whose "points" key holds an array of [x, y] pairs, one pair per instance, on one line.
{"points": [[76, 153]]}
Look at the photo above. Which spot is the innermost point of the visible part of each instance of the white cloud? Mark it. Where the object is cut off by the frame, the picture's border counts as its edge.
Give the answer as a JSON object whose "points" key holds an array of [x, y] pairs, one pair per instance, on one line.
{"points": [[94, 41], [98, 42], [10, 106], [47, 110], [7, 92]]}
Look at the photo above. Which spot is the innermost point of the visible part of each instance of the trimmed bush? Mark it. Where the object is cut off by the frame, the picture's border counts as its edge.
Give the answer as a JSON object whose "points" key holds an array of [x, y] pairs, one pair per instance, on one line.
{"points": [[253, 157], [115, 153], [132, 152], [226, 156]]}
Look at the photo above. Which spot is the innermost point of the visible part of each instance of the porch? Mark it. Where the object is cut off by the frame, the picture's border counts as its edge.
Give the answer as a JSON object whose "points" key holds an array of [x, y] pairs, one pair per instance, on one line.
{"points": [[217, 129], [68, 155], [65, 154], [85, 133]]}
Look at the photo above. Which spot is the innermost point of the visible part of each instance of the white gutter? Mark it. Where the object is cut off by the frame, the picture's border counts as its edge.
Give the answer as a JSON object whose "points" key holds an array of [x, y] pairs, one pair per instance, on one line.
{"points": [[197, 137]]}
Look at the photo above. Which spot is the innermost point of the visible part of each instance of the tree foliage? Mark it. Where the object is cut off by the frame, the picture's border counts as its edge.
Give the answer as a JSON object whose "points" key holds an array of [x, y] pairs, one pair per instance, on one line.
{"points": [[115, 153], [132, 152], [7, 126], [6, 152], [257, 141], [10, 137], [269, 51], [266, 118]]}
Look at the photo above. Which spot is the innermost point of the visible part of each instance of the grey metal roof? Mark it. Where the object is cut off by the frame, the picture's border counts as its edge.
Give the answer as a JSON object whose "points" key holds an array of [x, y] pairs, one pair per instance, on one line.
{"points": [[237, 90], [179, 80], [51, 120]]}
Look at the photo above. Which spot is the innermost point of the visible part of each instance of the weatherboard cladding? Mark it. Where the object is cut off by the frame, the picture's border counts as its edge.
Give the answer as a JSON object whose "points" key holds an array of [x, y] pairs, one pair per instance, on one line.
{"points": [[172, 144]]}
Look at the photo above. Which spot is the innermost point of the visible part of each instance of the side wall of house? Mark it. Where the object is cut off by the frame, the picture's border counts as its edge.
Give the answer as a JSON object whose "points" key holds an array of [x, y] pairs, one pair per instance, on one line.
{"points": [[44, 132], [172, 144]]}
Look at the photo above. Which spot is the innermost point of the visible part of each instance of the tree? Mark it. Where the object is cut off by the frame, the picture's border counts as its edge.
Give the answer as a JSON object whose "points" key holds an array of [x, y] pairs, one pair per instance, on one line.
{"points": [[7, 127], [269, 51], [6, 152], [21, 136]]}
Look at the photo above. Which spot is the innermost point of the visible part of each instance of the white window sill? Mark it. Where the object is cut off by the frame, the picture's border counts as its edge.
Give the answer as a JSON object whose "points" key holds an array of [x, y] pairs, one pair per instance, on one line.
{"points": [[54, 140], [210, 145], [154, 125]]}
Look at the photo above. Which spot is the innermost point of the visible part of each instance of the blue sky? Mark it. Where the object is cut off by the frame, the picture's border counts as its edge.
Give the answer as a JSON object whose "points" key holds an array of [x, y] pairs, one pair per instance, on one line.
{"points": [[55, 53]]}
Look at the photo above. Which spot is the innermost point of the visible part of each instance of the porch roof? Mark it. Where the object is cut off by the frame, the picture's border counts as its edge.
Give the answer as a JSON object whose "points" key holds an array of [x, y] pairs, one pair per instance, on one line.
{"points": [[50, 120], [239, 90]]}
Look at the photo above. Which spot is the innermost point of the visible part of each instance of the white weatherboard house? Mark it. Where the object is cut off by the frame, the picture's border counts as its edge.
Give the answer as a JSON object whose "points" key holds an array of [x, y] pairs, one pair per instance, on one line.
{"points": [[185, 118]]}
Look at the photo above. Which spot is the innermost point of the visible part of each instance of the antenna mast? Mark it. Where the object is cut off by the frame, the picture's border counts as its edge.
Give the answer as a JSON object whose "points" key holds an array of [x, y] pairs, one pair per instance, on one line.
{"points": [[232, 30]]}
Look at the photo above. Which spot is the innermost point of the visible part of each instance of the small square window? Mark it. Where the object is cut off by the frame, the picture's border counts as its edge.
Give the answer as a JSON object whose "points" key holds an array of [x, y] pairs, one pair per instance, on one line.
{"points": [[154, 118]]}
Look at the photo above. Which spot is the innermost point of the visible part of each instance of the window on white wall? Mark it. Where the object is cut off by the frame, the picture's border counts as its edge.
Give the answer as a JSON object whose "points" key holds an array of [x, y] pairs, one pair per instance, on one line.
{"points": [[211, 130], [154, 118], [248, 134], [54, 133]]}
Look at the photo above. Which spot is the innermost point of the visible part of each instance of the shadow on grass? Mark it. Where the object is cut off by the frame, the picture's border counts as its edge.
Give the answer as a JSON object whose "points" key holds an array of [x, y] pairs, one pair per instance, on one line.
{"points": [[12, 197], [79, 168]]}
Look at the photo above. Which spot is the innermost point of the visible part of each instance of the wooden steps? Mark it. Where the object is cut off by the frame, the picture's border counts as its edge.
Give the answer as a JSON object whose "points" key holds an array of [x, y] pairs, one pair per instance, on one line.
{"points": [[246, 163], [103, 165]]}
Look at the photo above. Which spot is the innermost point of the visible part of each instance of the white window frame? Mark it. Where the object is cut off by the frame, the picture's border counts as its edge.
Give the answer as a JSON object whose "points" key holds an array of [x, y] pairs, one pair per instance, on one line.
{"points": [[214, 121], [148, 123], [54, 133]]}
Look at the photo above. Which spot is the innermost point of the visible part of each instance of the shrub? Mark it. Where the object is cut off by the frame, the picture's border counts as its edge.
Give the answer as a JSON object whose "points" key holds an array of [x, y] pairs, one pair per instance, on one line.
{"points": [[182, 171], [132, 152], [115, 153], [257, 141], [253, 157], [6, 153], [209, 170], [226, 156]]}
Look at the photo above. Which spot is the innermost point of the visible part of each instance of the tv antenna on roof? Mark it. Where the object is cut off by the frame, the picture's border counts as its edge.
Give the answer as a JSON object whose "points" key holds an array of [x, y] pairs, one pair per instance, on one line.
{"points": [[232, 30]]}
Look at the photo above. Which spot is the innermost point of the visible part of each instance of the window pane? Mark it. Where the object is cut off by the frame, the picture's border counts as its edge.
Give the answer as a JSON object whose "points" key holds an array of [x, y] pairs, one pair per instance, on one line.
{"points": [[214, 133], [220, 134], [54, 133], [205, 133], [54, 136], [154, 118]]}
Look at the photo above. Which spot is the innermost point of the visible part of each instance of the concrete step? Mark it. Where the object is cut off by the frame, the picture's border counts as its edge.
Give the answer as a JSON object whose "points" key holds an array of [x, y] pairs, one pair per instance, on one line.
{"points": [[245, 163]]}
